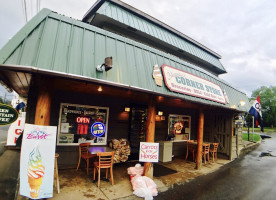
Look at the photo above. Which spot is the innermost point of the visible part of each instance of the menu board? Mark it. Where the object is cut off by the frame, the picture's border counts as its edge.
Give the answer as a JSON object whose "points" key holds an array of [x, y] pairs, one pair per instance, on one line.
{"points": [[79, 123]]}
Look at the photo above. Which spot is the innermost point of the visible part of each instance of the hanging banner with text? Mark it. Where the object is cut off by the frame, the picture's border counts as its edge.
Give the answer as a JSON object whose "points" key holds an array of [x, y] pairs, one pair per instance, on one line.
{"points": [[149, 152], [37, 161], [183, 82], [15, 129]]}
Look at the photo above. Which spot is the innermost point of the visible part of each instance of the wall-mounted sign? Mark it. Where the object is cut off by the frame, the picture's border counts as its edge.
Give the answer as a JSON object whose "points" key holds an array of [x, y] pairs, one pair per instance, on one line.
{"points": [[98, 129], [82, 124], [183, 82], [156, 74], [7, 114], [83, 120], [37, 161], [75, 122], [149, 152], [178, 127]]}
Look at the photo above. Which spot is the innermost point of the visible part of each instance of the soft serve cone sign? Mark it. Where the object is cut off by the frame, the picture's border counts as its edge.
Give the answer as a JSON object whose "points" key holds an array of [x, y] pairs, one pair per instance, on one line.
{"points": [[35, 172], [37, 161]]}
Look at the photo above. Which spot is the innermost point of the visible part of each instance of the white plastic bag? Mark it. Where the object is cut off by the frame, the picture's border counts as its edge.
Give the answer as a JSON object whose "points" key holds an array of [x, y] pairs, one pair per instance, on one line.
{"points": [[144, 193], [144, 187]]}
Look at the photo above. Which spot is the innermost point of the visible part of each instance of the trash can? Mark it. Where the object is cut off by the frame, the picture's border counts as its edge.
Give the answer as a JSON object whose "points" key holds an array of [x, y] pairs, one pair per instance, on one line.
{"points": [[165, 151]]}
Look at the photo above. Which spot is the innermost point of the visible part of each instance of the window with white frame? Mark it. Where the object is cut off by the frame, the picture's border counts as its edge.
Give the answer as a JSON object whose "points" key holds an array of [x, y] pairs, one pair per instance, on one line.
{"points": [[82, 123]]}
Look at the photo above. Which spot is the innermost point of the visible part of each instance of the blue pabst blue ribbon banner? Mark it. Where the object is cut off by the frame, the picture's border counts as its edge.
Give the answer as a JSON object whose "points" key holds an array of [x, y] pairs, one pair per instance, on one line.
{"points": [[19, 106], [98, 129], [255, 111]]}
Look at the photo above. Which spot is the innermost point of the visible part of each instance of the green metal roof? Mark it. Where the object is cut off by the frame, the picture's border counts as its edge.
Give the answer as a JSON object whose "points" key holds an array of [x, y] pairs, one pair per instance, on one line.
{"points": [[138, 20], [58, 44]]}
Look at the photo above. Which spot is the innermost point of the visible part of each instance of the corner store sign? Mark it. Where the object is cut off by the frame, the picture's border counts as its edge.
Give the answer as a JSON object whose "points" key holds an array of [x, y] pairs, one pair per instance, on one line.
{"points": [[183, 82]]}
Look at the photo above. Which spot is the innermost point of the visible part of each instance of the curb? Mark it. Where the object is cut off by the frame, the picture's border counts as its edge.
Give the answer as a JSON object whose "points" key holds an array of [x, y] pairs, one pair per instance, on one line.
{"points": [[249, 148]]}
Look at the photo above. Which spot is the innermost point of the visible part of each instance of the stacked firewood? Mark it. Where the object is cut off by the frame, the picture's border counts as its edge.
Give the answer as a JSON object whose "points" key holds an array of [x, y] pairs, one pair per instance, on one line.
{"points": [[122, 149]]}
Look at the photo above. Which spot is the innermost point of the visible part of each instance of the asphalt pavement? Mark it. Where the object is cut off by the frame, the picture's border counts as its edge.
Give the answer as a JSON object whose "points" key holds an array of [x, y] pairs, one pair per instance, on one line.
{"points": [[9, 167], [250, 177], [3, 137]]}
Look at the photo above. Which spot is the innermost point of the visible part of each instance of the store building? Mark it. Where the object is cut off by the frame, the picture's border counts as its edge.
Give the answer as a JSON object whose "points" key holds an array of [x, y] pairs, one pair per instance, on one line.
{"points": [[119, 66]]}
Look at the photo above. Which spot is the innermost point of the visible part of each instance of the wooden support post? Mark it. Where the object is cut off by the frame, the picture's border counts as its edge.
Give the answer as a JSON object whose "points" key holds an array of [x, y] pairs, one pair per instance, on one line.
{"points": [[199, 139], [43, 105], [150, 134]]}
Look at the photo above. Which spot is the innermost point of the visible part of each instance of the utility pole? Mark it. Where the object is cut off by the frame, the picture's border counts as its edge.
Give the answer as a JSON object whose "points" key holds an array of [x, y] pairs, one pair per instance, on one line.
{"points": [[253, 128], [25, 11], [4, 100]]}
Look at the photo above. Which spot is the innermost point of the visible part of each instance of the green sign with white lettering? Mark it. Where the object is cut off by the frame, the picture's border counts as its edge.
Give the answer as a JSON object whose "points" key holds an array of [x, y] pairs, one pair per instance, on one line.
{"points": [[7, 114]]}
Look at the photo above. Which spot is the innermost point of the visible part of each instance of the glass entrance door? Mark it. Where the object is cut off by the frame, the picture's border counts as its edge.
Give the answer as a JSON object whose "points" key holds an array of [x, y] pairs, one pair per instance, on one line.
{"points": [[137, 130]]}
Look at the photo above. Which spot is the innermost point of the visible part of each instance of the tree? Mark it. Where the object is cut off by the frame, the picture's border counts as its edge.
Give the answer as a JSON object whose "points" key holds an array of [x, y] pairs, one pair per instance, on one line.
{"points": [[268, 103]]}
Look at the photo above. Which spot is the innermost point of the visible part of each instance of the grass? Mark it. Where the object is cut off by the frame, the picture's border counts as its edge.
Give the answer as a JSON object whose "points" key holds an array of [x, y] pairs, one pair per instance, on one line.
{"points": [[258, 130], [257, 137]]}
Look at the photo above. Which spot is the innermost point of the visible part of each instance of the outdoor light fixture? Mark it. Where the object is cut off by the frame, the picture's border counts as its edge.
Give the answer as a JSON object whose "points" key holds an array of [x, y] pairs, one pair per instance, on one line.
{"points": [[107, 65], [160, 113], [242, 103], [233, 106], [100, 88], [127, 109]]}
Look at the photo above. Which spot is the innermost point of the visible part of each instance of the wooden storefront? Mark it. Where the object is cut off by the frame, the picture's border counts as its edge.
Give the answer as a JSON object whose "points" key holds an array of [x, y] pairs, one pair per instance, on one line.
{"points": [[66, 71]]}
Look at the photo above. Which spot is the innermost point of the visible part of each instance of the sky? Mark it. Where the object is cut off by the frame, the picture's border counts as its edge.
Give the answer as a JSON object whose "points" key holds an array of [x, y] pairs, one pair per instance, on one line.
{"points": [[242, 32]]}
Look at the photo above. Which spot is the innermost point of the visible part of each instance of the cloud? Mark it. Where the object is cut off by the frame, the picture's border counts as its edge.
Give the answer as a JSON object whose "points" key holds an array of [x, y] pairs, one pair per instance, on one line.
{"points": [[242, 32], [11, 20]]}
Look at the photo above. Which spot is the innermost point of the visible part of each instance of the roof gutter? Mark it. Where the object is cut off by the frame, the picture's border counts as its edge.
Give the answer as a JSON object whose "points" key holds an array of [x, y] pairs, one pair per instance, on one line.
{"points": [[35, 70]]}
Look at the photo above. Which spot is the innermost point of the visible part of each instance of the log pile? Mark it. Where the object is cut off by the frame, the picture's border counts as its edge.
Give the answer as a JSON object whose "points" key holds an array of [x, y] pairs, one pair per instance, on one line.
{"points": [[122, 149]]}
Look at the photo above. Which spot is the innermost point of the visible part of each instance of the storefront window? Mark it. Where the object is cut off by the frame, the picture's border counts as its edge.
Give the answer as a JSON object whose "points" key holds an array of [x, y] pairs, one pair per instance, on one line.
{"points": [[79, 123], [179, 127]]}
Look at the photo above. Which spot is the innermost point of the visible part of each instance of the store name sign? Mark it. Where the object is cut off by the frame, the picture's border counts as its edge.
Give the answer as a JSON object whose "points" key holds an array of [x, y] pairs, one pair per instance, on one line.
{"points": [[183, 82], [37, 134], [7, 114]]}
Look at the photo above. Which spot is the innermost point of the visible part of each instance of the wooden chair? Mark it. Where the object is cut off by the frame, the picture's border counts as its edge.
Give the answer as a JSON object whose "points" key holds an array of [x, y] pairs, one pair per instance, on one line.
{"points": [[192, 148], [105, 162], [205, 152], [84, 154], [214, 151]]}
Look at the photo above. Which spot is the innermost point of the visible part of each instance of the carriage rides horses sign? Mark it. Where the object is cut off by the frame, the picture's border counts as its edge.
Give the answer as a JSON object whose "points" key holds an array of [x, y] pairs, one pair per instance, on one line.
{"points": [[7, 114], [149, 152], [183, 82]]}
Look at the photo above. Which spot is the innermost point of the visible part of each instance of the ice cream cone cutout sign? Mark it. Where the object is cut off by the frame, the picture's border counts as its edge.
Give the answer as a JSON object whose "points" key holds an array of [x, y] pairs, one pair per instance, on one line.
{"points": [[35, 172], [157, 76]]}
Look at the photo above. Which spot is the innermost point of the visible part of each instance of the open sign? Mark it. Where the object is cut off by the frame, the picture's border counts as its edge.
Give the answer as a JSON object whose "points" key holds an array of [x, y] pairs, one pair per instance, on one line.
{"points": [[83, 120], [98, 129]]}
